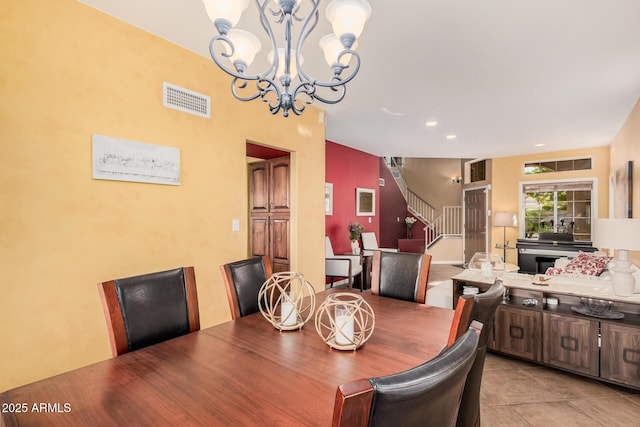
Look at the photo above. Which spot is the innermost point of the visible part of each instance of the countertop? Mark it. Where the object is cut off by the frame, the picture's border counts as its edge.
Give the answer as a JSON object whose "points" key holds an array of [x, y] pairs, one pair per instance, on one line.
{"points": [[590, 288]]}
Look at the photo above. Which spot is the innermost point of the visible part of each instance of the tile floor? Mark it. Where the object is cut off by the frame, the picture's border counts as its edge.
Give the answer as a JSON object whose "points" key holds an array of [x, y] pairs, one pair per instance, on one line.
{"points": [[517, 393]]}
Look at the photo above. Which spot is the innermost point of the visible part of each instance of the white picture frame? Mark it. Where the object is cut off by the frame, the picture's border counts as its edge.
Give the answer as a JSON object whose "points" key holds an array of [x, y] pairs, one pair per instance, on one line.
{"points": [[328, 198], [365, 202], [117, 159]]}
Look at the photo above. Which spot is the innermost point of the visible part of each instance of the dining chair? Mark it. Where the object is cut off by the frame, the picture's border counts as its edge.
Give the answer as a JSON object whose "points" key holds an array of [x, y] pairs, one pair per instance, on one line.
{"points": [[348, 266], [426, 395], [400, 275], [484, 309], [243, 280], [370, 244], [151, 308], [461, 318]]}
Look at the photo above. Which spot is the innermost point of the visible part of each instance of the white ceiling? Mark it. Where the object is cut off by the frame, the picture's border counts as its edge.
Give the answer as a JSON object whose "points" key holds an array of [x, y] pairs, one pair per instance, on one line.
{"points": [[502, 75]]}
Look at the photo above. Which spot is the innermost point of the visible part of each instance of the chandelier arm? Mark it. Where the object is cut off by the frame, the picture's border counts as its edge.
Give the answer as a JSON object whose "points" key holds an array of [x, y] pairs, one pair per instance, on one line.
{"points": [[270, 72], [222, 66], [343, 80], [309, 89], [307, 28], [236, 84]]}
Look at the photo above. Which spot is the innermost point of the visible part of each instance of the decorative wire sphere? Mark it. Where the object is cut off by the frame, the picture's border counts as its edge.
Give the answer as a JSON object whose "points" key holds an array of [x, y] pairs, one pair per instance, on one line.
{"points": [[345, 321], [287, 300]]}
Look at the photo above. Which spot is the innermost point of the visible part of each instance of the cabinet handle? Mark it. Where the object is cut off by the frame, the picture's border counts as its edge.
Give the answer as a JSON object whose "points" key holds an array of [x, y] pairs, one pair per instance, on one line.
{"points": [[516, 332], [569, 343], [627, 359]]}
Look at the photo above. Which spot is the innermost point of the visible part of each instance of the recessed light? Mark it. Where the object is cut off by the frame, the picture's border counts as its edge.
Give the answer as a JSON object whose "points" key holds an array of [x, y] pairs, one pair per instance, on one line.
{"points": [[540, 145], [451, 136], [431, 123]]}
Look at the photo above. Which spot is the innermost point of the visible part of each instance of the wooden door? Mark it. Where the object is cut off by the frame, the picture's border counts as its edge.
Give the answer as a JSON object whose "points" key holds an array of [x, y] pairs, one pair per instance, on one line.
{"points": [[269, 211], [620, 354], [571, 343], [518, 332], [475, 222]]}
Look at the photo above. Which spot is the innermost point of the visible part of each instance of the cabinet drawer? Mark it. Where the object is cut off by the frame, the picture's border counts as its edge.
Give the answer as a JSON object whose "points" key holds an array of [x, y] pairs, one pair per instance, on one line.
{"points": [[519, 332], [620, 354], [571, 343]]}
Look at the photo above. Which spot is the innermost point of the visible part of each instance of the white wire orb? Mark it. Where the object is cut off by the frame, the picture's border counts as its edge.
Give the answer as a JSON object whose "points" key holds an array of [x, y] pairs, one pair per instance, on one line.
{"points": [[345, 321], [287, 300]]}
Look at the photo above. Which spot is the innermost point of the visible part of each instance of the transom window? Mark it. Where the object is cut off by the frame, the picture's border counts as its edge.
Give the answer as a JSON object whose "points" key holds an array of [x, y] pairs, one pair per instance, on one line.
{"points": [[557, 166], [562, 207]]}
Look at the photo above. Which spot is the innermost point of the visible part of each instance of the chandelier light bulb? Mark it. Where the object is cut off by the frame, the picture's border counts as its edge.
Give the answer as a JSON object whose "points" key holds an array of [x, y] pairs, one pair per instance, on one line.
{"points": [[348, 16], [228, 10], [246, 46]]}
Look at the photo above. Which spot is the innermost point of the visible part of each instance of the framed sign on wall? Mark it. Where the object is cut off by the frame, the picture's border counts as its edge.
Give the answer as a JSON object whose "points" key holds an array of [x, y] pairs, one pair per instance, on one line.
{"points": [[365, 202]]}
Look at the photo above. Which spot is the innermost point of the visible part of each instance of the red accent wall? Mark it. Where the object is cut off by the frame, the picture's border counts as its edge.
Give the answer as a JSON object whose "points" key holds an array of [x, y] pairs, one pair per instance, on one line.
{"points": [[349, 169], [394, 210]]}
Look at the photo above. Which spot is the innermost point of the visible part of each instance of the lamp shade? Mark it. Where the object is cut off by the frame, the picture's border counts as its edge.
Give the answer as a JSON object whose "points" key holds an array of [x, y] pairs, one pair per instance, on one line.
{"points": [[505, 219], [348, 16], [617, 233], [246, 46], [332, 47], [231, 10]]}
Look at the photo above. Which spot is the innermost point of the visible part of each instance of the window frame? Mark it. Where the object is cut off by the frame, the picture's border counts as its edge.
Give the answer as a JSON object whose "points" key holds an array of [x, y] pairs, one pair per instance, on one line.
{"points": [[522, 199]]}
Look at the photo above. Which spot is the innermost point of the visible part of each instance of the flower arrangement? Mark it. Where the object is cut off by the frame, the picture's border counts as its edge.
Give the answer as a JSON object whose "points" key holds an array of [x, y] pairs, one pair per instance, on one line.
{"points": [[355, 230], [410, 221]]}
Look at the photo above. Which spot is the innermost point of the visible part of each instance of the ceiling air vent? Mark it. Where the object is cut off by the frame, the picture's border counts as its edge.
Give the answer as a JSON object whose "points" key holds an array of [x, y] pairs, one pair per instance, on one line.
{"points": [[185, 100]]}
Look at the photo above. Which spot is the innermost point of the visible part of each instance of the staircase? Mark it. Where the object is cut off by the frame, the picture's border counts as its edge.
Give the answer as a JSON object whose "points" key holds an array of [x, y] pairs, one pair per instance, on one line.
{"points": [[439, 224]]}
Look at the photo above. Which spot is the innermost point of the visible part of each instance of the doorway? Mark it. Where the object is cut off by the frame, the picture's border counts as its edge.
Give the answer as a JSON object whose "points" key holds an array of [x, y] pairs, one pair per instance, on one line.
{"points": [[269, 205]]}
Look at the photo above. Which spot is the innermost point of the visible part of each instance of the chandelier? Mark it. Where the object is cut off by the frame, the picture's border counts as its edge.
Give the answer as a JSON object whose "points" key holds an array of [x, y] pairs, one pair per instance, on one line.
{"points": [[284, 85]]}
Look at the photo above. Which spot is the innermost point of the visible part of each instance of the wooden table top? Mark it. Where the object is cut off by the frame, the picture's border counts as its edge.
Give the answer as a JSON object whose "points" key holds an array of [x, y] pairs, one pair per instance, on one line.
{"points": [[242, 372]]}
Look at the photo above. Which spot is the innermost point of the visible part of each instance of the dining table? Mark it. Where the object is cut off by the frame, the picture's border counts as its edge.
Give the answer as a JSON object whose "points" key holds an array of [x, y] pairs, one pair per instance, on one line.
{"points": [[242, 372]]}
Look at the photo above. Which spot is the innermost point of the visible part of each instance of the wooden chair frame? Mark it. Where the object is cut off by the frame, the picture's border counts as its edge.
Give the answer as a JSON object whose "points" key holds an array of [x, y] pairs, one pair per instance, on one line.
{"points": [[461, 318], [423, 276], [232, 297], [115, 320]]}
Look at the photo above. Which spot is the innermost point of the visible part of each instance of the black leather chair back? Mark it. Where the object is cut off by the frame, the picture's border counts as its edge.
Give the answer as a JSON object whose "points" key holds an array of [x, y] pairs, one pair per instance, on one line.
{"points": [[427, 395], [154, 307], [248, 276], [399, 275], [484, 309]]}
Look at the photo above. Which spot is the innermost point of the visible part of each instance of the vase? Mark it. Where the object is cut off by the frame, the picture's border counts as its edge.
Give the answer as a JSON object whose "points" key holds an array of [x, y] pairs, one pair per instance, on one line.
{"points": [[355, 247], [409, 233]]}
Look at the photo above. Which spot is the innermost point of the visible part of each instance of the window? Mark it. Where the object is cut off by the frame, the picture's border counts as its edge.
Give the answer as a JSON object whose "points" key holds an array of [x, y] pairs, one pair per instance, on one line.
{"points": [[557, 166], [478, 171], [561, 207]]}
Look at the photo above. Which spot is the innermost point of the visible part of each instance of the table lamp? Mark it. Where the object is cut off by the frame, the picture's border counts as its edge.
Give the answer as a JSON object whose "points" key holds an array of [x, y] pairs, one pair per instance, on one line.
{"points": [[504, 220], [621, 234]]}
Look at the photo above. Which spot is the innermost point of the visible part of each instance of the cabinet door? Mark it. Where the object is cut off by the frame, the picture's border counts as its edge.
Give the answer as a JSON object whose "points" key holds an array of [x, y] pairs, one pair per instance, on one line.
{"points": [[620, 354], [571, 343], [518, 332], [279, 185], [279, 233], [259, 187], [259, 235]]}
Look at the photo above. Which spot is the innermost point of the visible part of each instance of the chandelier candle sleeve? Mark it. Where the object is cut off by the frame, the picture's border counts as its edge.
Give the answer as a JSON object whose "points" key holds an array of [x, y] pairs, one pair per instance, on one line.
{"points": [[284, 85]]}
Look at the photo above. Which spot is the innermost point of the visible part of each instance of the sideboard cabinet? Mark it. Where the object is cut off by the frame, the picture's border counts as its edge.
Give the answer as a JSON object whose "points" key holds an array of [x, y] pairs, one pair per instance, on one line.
{"points": [[557, 336]]}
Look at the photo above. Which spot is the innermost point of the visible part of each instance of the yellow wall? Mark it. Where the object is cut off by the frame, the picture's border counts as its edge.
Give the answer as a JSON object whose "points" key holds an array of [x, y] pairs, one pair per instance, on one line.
{"points": [[69, 71], [625, 147], [507, 174]]}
